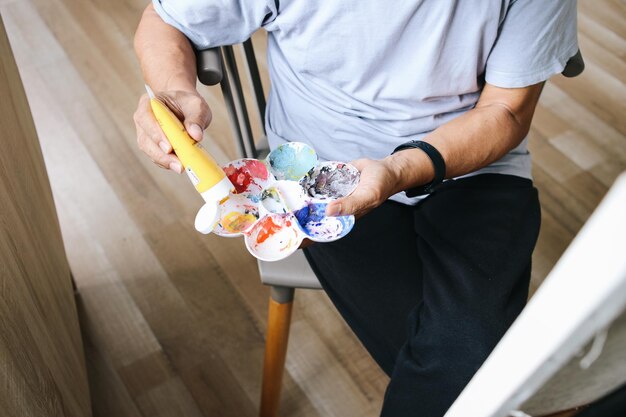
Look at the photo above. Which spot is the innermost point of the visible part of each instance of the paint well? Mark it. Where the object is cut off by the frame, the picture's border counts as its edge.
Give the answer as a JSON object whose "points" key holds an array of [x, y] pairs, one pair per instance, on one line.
{"points": [[248, 175], [236, 222], [331, 180], [318, 227], [276, 203], [274, 237], [291, 161], [237, 215], [282, 197], [272, 202], [291, 194]]}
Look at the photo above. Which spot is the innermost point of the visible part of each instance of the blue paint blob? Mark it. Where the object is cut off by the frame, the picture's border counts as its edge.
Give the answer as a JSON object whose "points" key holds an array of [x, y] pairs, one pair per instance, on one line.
{"points": [[292, 161], [317, 226], [311, 213]]}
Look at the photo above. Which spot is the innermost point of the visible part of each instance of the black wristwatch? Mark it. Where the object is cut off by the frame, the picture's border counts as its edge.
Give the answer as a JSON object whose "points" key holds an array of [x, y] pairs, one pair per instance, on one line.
{"points": [[438, 163]]}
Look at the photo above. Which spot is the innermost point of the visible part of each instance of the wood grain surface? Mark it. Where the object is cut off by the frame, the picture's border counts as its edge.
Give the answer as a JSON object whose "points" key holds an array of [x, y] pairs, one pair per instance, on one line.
{"points": [[42, 364], [174, 321]]}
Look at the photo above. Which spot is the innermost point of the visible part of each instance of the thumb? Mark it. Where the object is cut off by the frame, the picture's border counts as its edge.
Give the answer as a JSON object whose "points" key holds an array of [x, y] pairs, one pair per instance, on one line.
{"points": [[353, 204], [360, 163], [197, 117], [334, 208], [194, 130]]}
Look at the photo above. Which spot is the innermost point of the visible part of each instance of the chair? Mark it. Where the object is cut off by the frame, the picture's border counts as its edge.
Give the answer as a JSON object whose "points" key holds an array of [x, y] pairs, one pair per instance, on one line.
{"points": [[218, 65]]}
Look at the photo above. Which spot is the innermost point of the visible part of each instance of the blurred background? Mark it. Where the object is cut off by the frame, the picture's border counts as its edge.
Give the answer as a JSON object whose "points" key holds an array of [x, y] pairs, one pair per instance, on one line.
{"points": [[172, 321]]}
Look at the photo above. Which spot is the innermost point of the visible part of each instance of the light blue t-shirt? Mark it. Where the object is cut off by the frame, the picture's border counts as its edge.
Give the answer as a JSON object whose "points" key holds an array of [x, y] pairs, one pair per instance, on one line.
{"points": [[356, 78]]}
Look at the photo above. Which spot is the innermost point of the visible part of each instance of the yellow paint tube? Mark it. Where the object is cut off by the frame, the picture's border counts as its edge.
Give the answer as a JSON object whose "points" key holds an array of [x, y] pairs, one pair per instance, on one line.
{"points": [[205, 174]]}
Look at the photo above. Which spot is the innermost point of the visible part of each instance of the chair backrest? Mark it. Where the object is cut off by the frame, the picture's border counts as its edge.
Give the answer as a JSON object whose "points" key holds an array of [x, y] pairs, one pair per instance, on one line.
{"points": [[218, 65], [209, 66]]}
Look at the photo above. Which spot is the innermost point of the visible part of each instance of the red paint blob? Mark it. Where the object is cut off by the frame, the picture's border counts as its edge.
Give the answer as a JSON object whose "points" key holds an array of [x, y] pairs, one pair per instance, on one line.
{"points": [[241, 177], [268, 228], [257, 169]]}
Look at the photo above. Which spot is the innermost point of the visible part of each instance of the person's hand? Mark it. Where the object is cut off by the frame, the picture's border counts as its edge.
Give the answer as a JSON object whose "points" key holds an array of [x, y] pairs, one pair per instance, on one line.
{"points": [[378, 182], [189, 107]]}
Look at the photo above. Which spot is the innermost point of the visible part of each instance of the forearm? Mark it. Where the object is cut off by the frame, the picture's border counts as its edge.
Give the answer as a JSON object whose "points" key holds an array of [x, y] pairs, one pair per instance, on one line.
{"points": [[471, 141], [165, 55]]}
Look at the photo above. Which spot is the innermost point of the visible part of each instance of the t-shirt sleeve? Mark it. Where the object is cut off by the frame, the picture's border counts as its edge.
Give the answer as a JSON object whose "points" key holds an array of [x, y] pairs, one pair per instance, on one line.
{"points": [[210, 23], [536, 39]]}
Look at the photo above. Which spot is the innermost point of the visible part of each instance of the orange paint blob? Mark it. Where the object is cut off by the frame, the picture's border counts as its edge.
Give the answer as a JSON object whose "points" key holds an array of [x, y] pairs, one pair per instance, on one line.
{"points": [[268, 228]]}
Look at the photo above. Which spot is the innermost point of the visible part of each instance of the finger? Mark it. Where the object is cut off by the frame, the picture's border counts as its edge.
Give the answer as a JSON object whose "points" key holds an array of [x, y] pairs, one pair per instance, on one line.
{"points": [[358, 203], [197, 116], [360, 163], [346, 205], [334, 208], [145, 120], [156, 154]]}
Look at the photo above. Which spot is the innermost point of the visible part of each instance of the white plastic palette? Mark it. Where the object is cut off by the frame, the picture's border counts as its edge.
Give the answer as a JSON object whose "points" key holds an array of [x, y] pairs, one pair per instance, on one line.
{"points": [[280, 201]]}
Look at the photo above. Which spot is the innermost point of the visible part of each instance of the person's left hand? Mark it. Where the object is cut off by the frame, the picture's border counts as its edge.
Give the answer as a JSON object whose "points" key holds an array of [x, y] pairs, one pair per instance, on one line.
{"points": [[378, 182]]}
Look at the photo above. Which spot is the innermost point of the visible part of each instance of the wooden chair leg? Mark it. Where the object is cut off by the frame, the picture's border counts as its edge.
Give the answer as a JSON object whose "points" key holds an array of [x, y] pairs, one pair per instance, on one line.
{"points": [[278, 321]]}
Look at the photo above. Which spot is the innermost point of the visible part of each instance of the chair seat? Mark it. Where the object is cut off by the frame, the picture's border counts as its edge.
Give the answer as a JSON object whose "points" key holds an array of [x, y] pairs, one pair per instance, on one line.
{"points": [[291, 272]]}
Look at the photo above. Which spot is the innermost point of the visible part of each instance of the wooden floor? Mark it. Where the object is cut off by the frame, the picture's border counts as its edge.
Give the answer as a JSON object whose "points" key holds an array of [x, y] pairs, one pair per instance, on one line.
{"points": [[173, 322]]}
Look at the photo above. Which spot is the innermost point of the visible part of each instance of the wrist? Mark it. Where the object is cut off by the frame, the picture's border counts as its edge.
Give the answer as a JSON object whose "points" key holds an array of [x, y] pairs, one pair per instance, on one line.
{"points": [[180, 82], [409, 168]]}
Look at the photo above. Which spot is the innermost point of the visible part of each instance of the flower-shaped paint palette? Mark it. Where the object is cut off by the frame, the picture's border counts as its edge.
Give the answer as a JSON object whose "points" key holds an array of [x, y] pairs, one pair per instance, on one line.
{"points": [[280, 201]]}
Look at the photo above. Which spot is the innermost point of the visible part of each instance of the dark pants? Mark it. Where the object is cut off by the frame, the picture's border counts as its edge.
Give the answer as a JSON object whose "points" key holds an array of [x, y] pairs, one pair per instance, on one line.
{"points": [[430, 289]]}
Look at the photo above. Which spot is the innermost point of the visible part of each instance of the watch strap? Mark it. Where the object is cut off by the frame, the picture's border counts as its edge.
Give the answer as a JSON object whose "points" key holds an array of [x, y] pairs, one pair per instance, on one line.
{"points": [[438, 164]]}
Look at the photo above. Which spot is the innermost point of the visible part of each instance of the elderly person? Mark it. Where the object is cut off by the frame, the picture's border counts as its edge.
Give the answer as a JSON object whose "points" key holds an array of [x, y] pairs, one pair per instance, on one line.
{"points": [[433, 101]]}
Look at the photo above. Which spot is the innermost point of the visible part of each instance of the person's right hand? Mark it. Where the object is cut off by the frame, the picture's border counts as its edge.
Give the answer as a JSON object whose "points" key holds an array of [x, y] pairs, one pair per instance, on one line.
{"points": [[189, 107]]}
